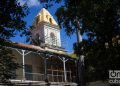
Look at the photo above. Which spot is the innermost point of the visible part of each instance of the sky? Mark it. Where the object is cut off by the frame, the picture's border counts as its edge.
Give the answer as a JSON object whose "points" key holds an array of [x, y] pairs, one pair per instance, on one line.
{"points": [[34, 9]]}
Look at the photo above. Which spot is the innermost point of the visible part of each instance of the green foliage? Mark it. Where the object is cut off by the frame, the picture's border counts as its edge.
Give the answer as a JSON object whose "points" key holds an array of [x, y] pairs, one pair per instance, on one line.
{"points": [[7, 65], [11, 18], [100, 21], [72, 55]]}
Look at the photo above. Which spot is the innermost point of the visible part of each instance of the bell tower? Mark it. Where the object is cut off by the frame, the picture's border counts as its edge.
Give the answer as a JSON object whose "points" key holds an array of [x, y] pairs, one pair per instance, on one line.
{"points": [[45, 31]]}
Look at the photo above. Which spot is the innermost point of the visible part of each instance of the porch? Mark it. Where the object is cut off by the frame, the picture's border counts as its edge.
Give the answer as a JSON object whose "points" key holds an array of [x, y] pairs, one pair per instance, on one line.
{"points": [[41, 68]]}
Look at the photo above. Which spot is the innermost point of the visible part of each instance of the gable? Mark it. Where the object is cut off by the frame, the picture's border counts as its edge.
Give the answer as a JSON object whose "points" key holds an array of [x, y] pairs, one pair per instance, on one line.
{"points": [[45, 16]]}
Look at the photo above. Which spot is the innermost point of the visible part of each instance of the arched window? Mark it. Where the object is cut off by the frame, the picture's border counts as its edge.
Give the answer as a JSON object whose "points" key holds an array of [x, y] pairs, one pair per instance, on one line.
{"points": [[46, 16], [52, 37], [50, 20], [37, 19]]}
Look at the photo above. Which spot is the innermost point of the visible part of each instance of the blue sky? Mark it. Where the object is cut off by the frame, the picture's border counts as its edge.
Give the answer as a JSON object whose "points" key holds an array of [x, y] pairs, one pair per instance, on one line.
{"points": [[34, 8]]}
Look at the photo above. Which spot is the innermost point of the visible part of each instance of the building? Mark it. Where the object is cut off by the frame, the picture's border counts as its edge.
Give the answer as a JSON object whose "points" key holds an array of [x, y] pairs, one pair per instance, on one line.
{"points": [[45, 32], [43, 60]]}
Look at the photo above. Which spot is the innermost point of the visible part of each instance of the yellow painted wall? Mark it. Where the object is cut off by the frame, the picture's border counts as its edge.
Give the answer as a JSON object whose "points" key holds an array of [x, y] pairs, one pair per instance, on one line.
{"points": [[33, 59]]}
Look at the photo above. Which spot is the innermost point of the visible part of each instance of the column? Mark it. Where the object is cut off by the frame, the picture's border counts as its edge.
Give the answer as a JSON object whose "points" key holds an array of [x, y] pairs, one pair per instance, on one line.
{"points": [[65, 75], [64, 66], [23, 61]]}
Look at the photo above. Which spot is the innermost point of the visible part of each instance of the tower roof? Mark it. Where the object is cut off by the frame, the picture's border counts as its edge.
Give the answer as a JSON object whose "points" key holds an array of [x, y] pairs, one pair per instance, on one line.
{"points": [[44, 16]]}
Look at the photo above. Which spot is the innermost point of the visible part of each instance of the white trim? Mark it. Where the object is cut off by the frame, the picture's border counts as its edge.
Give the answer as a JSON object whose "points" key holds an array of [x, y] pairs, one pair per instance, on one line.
{"points": [[23, 61], [18, 51], [64, 66], [28, 52]]}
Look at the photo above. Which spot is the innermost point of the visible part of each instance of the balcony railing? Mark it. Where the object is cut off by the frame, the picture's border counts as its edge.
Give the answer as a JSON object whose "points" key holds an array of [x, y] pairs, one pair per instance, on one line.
{"points": [[51, 77]]}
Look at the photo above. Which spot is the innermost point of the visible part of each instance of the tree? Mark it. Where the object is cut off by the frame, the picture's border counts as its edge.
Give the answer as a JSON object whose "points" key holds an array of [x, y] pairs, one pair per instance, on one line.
{"points": [[11, 20], [100, 22], [7, 66]]}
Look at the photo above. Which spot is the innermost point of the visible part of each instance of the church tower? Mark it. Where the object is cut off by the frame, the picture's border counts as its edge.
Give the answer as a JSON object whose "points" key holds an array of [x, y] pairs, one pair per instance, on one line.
{"points": [[45, 31]]}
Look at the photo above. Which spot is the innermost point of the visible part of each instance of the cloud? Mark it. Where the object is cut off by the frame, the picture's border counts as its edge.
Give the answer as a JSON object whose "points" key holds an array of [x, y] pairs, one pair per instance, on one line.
{"points": [[30, 3]]}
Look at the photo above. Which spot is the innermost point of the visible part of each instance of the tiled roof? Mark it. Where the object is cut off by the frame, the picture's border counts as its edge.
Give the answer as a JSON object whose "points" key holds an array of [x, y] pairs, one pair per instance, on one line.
{"points": [[30, 47]]}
